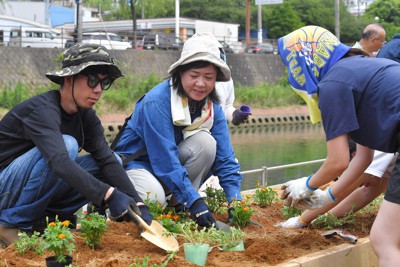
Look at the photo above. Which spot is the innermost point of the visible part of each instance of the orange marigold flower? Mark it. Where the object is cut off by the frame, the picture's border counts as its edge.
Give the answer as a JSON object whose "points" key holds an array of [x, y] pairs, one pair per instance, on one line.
{"points": [[168, 216], [52, 224], [262, 190], [175, 217], [245, 209], [61, 236], [88, 219], [65, 223], [159, 218]]}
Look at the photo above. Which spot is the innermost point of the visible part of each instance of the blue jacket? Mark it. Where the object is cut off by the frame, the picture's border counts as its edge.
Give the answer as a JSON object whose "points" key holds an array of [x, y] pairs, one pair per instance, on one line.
{"points": [[151, 127]]}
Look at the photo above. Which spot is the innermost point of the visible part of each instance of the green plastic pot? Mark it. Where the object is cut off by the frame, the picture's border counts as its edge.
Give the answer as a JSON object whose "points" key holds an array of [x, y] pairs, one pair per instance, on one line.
{"points": [[239, 247], [196, 253]]}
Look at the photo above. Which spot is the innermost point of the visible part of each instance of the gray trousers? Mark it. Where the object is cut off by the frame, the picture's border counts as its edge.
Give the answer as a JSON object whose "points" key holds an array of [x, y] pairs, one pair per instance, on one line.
{"points": [[196, 154]]}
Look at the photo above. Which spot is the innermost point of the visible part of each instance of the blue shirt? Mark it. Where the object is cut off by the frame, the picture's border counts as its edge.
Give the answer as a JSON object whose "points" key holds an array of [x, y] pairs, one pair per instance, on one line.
{"points": [[361, 96], [151, 127]]}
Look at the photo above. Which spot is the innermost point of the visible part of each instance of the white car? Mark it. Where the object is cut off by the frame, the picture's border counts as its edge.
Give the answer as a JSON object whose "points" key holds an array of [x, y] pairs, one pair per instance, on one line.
{"points": [[34, 37], [109, 40]]}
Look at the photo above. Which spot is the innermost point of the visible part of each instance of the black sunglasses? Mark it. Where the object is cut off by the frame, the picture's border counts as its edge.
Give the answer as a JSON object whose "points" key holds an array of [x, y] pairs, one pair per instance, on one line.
{"points": [[94, 80]]}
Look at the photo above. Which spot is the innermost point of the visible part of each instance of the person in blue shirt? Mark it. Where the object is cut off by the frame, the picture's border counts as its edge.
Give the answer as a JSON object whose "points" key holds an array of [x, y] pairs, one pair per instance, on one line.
{"points": [[355, 96], [182, 130]]}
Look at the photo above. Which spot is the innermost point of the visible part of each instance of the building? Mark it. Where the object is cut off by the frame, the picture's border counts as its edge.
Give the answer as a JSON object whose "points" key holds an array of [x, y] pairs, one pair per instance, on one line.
{"points": [[61, 16], [357, 7]]}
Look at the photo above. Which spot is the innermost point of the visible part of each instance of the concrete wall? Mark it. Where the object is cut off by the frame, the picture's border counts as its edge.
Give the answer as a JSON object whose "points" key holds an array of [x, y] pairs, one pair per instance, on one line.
{"points": [[31, 64]]}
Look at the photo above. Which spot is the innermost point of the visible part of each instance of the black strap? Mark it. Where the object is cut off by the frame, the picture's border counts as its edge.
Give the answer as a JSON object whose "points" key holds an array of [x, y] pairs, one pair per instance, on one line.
{"points": [[118, 136], [126, 160]]}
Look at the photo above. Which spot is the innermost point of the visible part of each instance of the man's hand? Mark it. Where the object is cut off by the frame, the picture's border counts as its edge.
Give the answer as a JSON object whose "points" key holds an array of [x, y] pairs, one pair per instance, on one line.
{"points": [[296, 190], [292, 223], [316, 200], [118, 204], [200, 213]]}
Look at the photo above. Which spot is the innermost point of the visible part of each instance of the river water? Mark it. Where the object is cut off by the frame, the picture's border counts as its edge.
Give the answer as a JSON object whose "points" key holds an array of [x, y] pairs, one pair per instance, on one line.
{"points": [[269, 146]]}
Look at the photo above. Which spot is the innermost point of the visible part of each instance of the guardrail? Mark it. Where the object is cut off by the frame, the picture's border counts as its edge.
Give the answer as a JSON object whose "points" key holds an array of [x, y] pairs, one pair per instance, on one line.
{"points": [[264, 170]]}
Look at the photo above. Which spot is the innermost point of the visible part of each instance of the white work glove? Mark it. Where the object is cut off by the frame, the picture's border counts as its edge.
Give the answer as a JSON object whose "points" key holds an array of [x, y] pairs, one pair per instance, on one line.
{"points": [[292, 223], [316, 200], [296, 190]]}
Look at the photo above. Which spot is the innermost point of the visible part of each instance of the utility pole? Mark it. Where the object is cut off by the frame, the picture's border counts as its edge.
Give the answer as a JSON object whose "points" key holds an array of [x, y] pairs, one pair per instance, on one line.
{"points": [[133, 13], [337, 18], [78, 28], [247, 22], [177, 16], [259, 20]]}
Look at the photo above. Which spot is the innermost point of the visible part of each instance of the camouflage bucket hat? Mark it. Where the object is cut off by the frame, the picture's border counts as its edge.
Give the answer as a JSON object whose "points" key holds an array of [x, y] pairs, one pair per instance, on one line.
{"points": [[79, 57]]}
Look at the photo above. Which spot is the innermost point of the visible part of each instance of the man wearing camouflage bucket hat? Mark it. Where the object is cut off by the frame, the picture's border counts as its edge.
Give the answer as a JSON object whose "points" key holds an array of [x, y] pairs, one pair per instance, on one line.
{"points": [[41, 173], [183, 130]]}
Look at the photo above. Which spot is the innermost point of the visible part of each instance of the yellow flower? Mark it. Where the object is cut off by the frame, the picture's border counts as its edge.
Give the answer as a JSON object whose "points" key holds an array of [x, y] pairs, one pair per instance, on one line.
{"points": [[65, 223], [61, 236]]}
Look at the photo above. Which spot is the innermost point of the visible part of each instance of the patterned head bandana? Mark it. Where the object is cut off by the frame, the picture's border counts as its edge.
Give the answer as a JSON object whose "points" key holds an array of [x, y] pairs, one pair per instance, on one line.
{"points": [[309, 53], [79, 57]]}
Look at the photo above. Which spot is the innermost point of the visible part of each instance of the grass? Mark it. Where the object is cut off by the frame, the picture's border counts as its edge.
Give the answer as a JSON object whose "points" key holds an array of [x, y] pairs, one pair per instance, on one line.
{"points": [[124, 93]]}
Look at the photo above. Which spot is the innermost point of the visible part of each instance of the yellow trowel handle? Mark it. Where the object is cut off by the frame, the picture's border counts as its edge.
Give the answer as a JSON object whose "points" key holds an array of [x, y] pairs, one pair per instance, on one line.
{"points": [[139, 221]]}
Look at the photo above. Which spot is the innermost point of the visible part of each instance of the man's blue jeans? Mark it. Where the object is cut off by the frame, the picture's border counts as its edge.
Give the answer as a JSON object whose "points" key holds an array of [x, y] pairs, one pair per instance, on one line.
{"points": [[29, 189]]}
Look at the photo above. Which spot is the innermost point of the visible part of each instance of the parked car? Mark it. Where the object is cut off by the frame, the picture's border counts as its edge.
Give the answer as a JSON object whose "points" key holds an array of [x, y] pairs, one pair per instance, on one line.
{"points": [[69, 43], [107, 39], [262, 48], [139, 45], [34, 37], [161, 41]]}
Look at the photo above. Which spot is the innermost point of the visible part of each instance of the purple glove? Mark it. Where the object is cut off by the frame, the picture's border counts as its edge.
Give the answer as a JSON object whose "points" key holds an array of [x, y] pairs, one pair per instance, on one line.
{"points": [[200, 213], [241, 115]]}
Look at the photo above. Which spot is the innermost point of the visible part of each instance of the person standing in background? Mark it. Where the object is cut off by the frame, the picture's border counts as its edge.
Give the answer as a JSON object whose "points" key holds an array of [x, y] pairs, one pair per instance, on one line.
{"points": [[372, 39]]}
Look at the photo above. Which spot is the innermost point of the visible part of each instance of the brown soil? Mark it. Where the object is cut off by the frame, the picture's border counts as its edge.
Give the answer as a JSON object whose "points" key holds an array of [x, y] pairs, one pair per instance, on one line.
{"points": [[265, 245]]}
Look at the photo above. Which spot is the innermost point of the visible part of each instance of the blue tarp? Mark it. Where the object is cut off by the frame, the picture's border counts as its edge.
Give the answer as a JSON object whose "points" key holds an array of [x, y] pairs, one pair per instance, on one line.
{"points": [[60, 15], [253, 34]]}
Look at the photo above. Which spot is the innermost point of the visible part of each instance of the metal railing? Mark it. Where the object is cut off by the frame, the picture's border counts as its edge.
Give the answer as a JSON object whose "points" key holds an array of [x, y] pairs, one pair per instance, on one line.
{"points": [[264, 170]]}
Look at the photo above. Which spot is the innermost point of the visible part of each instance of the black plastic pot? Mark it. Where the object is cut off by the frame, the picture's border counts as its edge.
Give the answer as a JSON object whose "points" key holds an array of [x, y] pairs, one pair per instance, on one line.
{"points": [[51, 261]]}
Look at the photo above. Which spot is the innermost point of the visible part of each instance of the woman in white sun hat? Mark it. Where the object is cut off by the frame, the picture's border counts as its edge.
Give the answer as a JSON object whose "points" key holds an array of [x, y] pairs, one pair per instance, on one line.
{"points": [[183, 129]]}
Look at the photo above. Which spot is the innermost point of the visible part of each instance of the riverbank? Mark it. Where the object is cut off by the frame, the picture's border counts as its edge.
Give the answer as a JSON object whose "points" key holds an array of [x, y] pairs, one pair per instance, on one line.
{"points": [[256, 112]]}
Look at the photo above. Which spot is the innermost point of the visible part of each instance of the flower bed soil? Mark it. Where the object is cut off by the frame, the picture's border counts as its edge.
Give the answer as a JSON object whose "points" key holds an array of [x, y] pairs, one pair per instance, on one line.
{"points": [[265, 245]]}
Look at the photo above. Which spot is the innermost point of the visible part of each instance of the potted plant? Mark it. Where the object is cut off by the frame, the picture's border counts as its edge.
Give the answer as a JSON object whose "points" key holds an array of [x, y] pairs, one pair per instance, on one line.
{"points": [[241, 213], [57, 239], [197, 242], [231, 240], [93, 227]]}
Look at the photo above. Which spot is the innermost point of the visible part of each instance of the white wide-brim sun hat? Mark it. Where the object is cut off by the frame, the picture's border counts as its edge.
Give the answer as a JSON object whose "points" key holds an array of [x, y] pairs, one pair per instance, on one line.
{"points": [[203, 47]]}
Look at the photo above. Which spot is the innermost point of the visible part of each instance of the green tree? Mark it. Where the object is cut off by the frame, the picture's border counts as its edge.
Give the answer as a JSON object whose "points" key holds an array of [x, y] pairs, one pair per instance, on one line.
{"points": [[386, 10], [278, 27], [387, 13]]}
